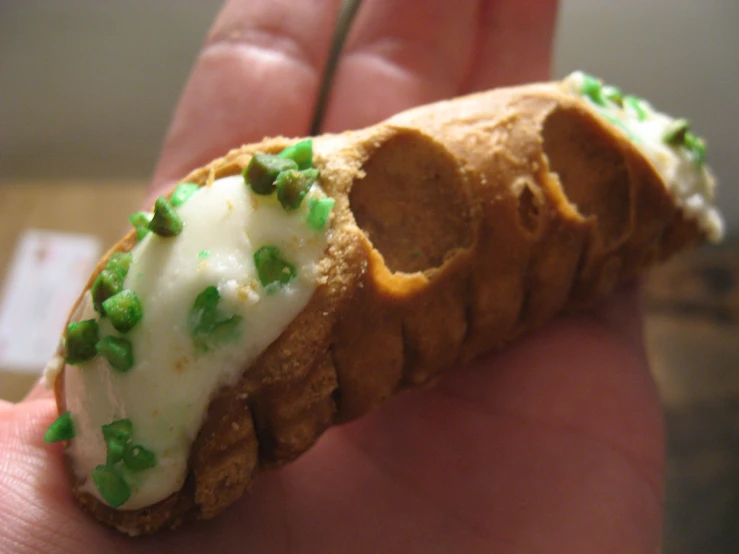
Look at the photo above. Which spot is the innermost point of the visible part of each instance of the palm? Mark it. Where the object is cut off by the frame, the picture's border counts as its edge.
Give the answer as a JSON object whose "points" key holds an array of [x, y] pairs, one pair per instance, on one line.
{"points": [[553, 445]]}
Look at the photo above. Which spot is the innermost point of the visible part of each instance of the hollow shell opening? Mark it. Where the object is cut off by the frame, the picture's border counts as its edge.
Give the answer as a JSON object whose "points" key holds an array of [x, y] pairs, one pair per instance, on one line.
{"points": [[412, 203], [593, 174]]}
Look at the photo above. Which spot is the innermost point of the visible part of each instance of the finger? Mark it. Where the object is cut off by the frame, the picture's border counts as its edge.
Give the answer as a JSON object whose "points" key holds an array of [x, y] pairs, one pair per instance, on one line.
{"points": [[514, 44], [587, 373], [555, 441], [38, 390], [397, 55], [37, 509], [257, 75]]}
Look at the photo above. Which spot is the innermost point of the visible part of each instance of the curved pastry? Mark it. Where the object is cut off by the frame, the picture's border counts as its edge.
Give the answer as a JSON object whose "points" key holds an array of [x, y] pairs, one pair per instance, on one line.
{"points": [[456, 227]]}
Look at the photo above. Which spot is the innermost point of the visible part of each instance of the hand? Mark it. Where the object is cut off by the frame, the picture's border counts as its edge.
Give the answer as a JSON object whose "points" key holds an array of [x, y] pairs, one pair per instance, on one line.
{"points": [[554, 445]]}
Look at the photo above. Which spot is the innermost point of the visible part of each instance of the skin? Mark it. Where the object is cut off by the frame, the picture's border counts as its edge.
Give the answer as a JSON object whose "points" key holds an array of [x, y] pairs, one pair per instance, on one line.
{"points": [[553, 445]]}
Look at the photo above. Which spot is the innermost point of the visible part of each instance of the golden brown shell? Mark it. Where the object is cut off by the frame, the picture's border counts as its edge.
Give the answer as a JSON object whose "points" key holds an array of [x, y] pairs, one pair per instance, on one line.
{"points": [[458, 226]]}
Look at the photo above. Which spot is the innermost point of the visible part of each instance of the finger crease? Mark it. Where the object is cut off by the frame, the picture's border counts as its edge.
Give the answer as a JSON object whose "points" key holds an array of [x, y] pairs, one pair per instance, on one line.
{"points": [[397, 54], [272, 41]]}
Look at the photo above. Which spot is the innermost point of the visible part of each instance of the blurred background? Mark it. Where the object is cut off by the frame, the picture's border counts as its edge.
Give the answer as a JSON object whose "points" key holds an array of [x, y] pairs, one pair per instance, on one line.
{"points": [[87, 89]]}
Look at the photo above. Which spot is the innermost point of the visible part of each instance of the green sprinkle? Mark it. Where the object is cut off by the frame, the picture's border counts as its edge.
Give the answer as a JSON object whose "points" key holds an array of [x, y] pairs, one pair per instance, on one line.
{"points": [[62, 429], [182, 193], [107, 284], [301, 153], [637, 106], [613, 94], [116, 450], [675, 132], [318, 212], [206, 302], [117, 351], [206, 325], [696, 146], [120, 262], [81, 339], [166, 222], [274, 272], [124, 310], [117, 435], [591, 87], [292, 186], [119, 429], [138, 458], [203, 254], [140, 222], [111, 485], [263, 169]]}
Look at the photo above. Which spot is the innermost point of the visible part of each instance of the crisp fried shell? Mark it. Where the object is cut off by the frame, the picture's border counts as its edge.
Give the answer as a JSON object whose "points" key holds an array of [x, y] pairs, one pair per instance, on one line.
{"points": [[457, 227]]}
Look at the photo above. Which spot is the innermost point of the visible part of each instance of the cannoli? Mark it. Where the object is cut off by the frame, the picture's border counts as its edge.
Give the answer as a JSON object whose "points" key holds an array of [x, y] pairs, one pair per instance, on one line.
{"points": [[295, 284]]}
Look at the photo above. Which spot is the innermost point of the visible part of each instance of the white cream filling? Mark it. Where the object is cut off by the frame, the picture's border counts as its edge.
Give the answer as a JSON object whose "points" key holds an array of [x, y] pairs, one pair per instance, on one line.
{"points": [[692, 184], [168, 390]]}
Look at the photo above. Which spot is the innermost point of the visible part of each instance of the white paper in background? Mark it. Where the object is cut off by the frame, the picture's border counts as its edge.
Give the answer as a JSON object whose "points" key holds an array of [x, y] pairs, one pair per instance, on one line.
{"points": [[45, 276]]}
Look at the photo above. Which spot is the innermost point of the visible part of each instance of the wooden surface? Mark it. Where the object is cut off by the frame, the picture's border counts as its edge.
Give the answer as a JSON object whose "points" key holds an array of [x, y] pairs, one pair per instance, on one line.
{"points": [[692, 331], [98, 208], [692, 307]]}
